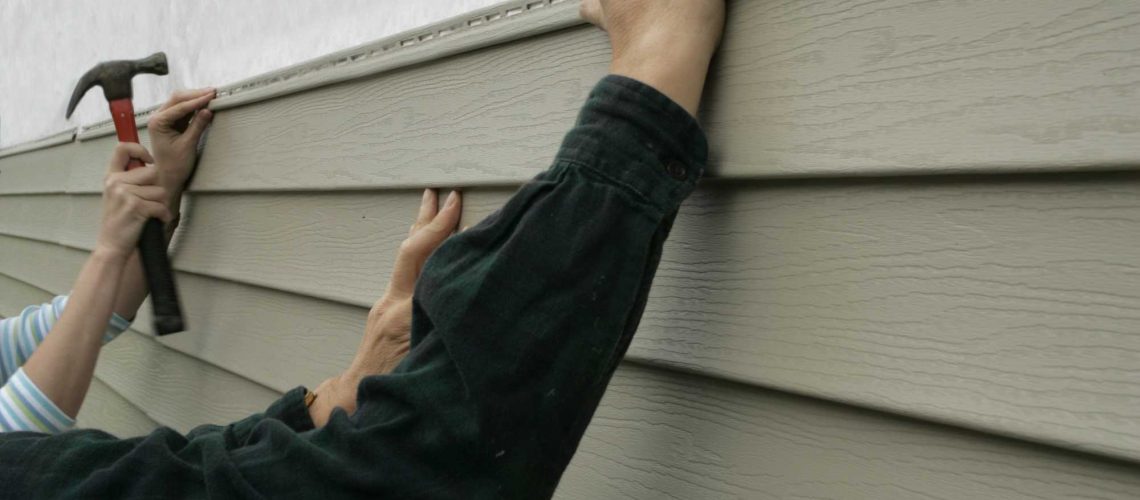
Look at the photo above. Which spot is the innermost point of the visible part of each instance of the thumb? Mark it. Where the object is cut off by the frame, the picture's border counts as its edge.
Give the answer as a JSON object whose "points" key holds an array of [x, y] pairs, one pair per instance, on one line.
{"points": [[124, 151]]}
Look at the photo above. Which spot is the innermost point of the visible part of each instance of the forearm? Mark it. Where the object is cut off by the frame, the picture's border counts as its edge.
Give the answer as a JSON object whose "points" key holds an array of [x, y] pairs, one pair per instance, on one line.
{"points": [[64, 363]]}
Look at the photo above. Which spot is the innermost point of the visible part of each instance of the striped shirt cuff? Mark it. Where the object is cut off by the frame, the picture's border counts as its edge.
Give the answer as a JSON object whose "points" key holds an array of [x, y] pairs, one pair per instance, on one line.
{"points": [[23, 407], [117, 326]]}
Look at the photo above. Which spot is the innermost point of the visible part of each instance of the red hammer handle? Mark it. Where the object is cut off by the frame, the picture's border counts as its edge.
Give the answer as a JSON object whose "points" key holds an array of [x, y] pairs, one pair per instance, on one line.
{"points": [[123, 114], [152, 244]]}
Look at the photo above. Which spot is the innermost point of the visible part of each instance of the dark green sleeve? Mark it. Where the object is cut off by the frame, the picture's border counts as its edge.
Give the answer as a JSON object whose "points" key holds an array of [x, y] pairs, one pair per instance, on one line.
{"points": [[517, 327], [520, 321], [94, 464]]}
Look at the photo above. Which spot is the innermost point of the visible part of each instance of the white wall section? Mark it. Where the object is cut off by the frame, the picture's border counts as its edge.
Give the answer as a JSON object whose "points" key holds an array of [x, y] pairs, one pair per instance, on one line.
{"points": [[47, 44]]}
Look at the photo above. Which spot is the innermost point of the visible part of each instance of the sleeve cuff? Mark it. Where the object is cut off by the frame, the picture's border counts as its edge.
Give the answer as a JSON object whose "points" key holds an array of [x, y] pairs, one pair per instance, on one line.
{"points": [[291, 410], [116, 327], [633, 134], [23, 407]]}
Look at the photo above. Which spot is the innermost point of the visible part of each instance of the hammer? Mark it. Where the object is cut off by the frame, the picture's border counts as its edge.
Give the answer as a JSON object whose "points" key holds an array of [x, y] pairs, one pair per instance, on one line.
{"points": [[115, 78]]}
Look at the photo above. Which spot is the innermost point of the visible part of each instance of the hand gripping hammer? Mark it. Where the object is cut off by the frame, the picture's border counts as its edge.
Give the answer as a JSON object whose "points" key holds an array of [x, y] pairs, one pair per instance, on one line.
{"points": [[115, 78]]}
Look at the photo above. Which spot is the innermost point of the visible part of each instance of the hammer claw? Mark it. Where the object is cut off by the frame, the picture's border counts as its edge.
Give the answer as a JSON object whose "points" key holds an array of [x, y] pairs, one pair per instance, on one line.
{"points": [[115, 78]]}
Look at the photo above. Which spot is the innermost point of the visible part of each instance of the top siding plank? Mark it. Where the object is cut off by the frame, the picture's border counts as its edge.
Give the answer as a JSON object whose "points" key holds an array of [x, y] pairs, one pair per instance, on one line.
{"points": [[74, 167], [43, 170], [819, 88]]}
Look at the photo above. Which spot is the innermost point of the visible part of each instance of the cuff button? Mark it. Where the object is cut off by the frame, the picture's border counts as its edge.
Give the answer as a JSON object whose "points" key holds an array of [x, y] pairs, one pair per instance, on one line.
{"points": [[677, 170]]}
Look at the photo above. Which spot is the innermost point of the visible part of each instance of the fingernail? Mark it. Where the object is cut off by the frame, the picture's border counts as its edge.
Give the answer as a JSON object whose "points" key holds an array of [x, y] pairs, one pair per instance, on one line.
{"points": [[452, 198]]}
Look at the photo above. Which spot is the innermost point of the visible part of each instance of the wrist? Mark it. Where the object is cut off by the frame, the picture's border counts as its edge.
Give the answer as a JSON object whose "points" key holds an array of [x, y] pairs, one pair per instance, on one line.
{"points": [[174, 183], [174, 191], [347, 382], [333, 393], [110, 254]]}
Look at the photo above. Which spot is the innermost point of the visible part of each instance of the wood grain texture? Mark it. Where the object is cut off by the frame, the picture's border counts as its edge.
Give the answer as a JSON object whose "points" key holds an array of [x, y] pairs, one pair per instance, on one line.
{"points": [[366, 228], [456, 123], [44, 265], [1006, 305], [40, 217], [171, 388], [106, 410], [75, 167], [666, 436], [280, 340], [41, 170], [177, 390], [800, 89], [216, 229], [1002, 303], [830, 87], [230, 325]]}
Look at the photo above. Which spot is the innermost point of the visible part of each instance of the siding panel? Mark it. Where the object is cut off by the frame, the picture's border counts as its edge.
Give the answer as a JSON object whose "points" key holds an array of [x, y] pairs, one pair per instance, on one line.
{"points": [[177, 390], [77, 167], [1002, 303], [251, 331], [41, 170], [106, 410], [659, 435]]}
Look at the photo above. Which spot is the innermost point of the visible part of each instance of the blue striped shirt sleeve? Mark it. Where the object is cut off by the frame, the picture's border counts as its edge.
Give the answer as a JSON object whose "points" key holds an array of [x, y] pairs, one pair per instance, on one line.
{"points": [[23, 407], [22, 334]]}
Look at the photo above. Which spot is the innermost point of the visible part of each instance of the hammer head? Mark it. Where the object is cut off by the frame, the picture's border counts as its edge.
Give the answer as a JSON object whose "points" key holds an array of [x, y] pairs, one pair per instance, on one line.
{"points": [[115, 78]]}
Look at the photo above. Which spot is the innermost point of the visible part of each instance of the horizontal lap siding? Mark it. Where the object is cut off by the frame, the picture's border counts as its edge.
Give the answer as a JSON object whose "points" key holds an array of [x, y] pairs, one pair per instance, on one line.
{"points": [[998, 303], [657, 433], [44, 170], [106, 410], [664, 435]]}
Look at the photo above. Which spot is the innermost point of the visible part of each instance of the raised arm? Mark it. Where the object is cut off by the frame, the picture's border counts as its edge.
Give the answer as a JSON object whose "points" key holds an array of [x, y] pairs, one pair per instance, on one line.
{"points": [[23, 406], [62, 366]]}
